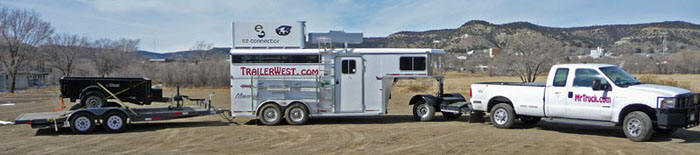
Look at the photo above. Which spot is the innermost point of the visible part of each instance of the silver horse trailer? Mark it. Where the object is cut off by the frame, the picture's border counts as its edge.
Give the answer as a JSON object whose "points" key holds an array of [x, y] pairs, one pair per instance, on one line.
{"points": [[299, 84]]}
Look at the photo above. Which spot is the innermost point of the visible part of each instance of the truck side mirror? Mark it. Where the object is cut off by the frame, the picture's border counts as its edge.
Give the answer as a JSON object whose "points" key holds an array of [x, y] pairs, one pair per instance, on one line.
{"points": [[598, 86]]}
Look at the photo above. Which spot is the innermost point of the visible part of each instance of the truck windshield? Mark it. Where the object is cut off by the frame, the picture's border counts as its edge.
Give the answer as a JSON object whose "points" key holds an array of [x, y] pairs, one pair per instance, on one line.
{"points": [[619, 76]]}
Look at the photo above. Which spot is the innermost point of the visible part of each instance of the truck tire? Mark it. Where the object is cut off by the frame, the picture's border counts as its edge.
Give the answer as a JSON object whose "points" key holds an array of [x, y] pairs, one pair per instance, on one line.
{"points": [[638, 126], [270, 114], [529, 120], [93, 99], [502, 115], [82, 123], [423, 111], [297, 114], [665, 131], [451, 116], [114, 121]]}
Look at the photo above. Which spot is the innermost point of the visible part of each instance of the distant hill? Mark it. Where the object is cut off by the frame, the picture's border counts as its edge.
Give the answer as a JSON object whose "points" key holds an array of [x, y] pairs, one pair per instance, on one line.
{"points": [[621, 39], [478, 34], [180, 54]]}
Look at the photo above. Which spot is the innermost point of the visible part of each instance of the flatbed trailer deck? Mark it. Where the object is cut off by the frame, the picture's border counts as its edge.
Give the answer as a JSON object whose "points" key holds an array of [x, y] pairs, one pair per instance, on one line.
{"points": [[57, 120]]}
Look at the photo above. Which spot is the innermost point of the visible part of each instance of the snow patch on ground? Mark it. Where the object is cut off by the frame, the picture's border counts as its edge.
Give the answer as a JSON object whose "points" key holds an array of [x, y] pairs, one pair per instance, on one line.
{"points": [[6, 123]]}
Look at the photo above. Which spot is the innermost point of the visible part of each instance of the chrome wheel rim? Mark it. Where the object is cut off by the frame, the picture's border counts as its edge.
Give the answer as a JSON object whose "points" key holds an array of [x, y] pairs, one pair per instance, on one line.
{"points": [[634, 127], [270, 115], [500, 116], [296, 114], [92, 102], [422, 110], [82, 123], [115, 122]]}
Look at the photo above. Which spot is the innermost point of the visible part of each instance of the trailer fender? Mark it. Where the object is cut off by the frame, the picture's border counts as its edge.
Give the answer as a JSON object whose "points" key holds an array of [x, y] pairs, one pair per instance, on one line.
{"points": [[100, 111], [88, 89], [429, 99], [257, 109], [453, 97]]}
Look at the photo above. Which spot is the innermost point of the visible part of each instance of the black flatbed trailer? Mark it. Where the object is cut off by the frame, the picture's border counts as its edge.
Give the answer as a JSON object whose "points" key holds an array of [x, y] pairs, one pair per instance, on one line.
{"points": [[61, 119], [114, 116]]}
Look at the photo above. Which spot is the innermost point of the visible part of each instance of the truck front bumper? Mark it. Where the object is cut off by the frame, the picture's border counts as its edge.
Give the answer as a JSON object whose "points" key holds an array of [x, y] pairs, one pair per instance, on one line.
{"points": [[686, 116]]}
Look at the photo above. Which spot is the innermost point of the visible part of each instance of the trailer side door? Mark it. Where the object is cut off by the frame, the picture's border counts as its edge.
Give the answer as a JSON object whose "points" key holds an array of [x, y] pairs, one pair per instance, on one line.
{"points": [[350, 91]]}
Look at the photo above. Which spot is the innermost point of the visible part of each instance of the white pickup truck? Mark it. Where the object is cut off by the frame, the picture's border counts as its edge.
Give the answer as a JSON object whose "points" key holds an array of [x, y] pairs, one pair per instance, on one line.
{"points": [[589, 93]]}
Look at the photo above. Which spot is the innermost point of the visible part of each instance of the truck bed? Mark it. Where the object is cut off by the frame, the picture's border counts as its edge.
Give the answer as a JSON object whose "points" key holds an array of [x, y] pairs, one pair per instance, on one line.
{"points": [[532, 84]]}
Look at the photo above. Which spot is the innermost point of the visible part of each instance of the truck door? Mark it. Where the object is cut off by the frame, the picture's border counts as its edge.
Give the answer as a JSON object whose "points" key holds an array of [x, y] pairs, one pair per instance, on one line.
{"points": [[556, 94], [584, 102], [350, 84]]}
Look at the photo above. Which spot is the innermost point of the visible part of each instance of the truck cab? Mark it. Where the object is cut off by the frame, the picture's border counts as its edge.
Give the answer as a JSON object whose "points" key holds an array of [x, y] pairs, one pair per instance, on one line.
{"points": [[593, 92]]}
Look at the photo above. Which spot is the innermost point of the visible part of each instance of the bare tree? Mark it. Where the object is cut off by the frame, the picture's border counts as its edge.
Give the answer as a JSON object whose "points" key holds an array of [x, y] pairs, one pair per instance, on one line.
{"points": [[110, 56], [21, 31], [201, 51], [62, 52], [527, 54]]}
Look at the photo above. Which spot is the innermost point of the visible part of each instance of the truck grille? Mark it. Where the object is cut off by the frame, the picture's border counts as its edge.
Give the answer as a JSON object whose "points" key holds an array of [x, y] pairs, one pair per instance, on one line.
{"points": [[688, 100]]}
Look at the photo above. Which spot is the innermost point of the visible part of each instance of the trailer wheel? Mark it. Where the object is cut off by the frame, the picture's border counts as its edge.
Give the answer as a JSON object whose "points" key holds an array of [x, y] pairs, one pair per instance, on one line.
{"points": [[423, 111], [93, 99], [270, 114], [297, 114], [637, 126], [529, 120], [502, 115], [114, 121], [451, 116], [82, 123]]}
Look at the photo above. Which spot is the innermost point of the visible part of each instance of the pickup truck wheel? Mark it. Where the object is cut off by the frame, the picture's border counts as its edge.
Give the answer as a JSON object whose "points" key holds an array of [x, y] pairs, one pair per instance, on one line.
{"points": [[297, 114], [637, 126], [82, 123], [270, 114], [502, 115], [528, 120], [115, 122], [423, 111], [450, 115], [92, 99]]}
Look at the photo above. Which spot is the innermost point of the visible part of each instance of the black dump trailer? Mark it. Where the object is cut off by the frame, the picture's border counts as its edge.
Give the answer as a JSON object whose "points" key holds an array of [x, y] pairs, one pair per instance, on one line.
{"points": [[90, 91], [102, 104]]}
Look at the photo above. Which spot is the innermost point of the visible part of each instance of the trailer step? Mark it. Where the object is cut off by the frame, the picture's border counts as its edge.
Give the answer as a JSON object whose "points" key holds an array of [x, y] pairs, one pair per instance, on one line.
{"points": [[457, 107]]}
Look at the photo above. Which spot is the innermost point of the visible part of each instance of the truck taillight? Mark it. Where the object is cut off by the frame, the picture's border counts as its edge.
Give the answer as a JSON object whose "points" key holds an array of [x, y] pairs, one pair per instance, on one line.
{"points": [[470, 92]]}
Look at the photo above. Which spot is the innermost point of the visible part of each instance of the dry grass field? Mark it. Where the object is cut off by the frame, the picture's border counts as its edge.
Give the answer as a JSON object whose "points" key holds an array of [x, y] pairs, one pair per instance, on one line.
{"points": [[395, 133]]}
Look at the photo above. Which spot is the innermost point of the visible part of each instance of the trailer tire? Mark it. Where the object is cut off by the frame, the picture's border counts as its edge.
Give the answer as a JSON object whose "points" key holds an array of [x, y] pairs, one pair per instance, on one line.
{"points": [[637, 126], [270, 114], [502, 115], [451, 116], [422, 111], [82, 123], [529, 120], [93, 99], [114, 121], [297, 114]]}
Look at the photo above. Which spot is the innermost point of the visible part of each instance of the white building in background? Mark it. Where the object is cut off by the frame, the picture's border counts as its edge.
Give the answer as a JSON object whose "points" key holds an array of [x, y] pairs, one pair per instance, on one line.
{"points": [[597, 53]]}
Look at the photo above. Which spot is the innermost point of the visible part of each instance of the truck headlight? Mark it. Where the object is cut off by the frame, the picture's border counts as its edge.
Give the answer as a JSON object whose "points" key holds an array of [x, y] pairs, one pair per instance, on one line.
{"points": [[668, 103]]}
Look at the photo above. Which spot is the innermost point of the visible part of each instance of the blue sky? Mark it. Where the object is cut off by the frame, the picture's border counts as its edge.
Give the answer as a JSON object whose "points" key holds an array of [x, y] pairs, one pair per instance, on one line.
{"points": [[172, 25]]}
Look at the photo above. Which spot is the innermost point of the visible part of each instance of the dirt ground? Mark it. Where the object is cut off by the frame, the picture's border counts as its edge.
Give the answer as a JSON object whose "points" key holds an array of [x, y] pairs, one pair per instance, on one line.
{"points": [[395, 133]]}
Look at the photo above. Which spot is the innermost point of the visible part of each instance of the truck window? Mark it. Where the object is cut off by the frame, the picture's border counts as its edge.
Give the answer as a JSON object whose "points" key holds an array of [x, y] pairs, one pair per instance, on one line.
{"points": [[560, 77], [585, 77], [412, 63], [348, 66]]}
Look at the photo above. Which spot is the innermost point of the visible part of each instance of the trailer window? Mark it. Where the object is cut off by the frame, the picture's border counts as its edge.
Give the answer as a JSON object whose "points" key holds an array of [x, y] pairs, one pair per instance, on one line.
{"points": [[412, 63], [560, 77], [274, 59], [348, 66]]}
